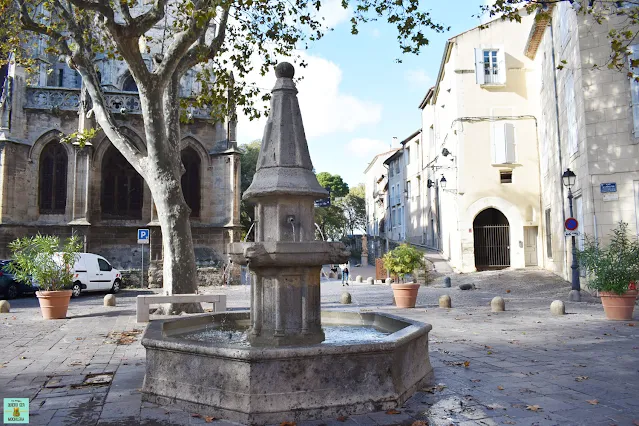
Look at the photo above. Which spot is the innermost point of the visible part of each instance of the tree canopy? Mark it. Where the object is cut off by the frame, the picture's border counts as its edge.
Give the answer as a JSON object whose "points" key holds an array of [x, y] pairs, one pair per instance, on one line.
{"points": [[248, 159], [337, 186]]}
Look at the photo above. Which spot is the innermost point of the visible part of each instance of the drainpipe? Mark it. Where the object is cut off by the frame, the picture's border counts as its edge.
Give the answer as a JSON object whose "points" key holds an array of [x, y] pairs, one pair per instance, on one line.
{"points": [[561, 166]]}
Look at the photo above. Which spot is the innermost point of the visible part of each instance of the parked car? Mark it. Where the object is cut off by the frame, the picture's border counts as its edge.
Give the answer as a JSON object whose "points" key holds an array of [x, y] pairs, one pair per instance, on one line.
{"points": [[10, 288], [93, 272]]}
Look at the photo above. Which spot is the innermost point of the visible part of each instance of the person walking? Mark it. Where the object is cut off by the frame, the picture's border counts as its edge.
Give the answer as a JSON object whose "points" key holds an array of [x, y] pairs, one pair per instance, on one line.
{"points": [[345, 276]]}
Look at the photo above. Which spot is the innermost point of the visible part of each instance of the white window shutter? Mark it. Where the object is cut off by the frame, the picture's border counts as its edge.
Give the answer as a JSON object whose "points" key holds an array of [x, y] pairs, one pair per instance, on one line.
{"points": [[501, 65], [634, 88], [509, 135], [571, 114], [479, 65], [499, 143]]}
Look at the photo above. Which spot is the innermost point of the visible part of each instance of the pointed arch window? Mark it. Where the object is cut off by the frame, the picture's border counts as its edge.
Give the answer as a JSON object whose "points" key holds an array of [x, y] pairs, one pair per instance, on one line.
{"points": [[53, 179], [122, 187], [129, 84], [191, 180]]}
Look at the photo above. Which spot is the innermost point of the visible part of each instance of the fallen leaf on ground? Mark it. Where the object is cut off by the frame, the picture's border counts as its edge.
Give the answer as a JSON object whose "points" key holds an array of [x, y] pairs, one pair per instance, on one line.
{"points": [[489, 352], [342, 419], [635, 422], [592, 401], [393, 411], [475, 380], [466, 364], [533, 408], [210, 419], [78, 338], [488, 347], [495, 406], [507, 291], [500, 387], [288, 424], [196, 415], [420, 423], [581, 378], [631, 324]]}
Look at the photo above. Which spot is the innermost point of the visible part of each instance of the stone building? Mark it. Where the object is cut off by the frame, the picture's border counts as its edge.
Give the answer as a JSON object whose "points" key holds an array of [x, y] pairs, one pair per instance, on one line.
{"points": [[61, 189], [589, 123]]}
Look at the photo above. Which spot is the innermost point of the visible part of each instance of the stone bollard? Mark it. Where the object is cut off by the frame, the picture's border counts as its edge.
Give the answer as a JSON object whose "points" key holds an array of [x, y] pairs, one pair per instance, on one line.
{"points": [[358, 279], [497, 304], [370, 280], [5, 307], [447, 282], [444, 301], [109, 300], [558, 307], [346, 298], [467, 286]]}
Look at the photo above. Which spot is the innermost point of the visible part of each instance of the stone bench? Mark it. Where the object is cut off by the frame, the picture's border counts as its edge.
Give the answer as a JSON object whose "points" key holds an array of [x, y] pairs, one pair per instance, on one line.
{"points": [[144, 302]]}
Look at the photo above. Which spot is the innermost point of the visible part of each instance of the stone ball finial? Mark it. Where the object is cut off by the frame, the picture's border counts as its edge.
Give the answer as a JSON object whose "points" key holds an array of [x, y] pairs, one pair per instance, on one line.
{"points": [[284, 69], [5, 307]]}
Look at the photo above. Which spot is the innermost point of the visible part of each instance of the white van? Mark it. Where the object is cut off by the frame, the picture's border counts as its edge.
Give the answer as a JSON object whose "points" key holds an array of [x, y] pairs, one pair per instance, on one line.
{"points": [[92, 272]]}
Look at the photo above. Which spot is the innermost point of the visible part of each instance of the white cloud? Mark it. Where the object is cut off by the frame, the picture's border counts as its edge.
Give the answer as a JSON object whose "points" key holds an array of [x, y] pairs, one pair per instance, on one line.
{"points": [[418, 78], [366, 148], [325, 108], [333, 13]]}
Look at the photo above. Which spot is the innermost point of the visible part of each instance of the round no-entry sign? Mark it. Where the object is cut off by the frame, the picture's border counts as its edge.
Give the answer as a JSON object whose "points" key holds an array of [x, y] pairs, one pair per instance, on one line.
{"points": [[571, 224]]}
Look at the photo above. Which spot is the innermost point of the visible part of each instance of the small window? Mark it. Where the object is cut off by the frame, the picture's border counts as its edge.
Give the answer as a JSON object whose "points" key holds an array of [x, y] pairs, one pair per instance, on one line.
{"points": [[104, 265], [506, 177], [490, 66], [407, 155], [548, 235], [61, 77], [408, 190]]}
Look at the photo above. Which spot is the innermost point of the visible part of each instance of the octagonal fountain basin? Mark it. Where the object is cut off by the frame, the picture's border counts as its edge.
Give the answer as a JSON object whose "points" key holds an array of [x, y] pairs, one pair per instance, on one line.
{"points": [[204, 364]]}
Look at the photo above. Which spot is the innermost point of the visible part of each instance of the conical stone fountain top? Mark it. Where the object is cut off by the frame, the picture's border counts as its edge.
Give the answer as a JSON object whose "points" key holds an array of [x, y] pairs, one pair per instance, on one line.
{"points": [[284, 166], [285, 258]]}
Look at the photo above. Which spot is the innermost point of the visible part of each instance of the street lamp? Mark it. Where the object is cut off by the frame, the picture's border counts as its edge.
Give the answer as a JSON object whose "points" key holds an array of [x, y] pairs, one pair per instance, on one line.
{"points": [[569, 178], [442, 182]]}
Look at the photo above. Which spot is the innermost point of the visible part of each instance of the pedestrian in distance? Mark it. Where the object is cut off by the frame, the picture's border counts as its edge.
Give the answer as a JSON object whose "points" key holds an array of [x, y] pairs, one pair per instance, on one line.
{"points": [[345, 276]]}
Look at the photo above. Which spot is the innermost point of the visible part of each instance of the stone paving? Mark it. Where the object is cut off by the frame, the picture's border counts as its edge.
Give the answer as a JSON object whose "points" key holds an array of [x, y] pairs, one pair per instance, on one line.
{"points": [[522, 366]]}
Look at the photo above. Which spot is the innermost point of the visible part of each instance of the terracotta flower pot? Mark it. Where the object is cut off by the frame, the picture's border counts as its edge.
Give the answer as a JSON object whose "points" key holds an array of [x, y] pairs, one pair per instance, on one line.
{"points": [[405, 295], [618, 307], [54, 304]]}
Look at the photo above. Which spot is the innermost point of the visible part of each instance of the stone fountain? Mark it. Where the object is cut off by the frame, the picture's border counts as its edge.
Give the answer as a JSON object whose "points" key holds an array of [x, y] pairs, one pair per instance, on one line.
{"points": [[285, 359]]}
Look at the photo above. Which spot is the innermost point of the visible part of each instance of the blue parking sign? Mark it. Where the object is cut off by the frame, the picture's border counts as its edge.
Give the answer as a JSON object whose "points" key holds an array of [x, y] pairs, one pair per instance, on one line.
{"points": [[143, 236]]}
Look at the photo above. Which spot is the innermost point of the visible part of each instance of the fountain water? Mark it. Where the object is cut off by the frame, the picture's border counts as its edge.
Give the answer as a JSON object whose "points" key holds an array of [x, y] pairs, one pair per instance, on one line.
{"points": [[270, 364]]}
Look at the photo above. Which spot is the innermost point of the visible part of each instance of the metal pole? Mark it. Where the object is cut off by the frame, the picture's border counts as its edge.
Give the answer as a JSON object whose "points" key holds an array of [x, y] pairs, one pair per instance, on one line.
{"points": [[142, 283], [574, 266]]}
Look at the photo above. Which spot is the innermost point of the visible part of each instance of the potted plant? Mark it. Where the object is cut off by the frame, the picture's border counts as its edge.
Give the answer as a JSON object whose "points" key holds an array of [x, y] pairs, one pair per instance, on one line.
{"points": [[613, 271], [400, 262], [42, 260]]}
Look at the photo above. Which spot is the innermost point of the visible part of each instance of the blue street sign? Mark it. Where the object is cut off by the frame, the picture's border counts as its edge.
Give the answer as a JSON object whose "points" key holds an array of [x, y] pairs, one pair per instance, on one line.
{"points": [[571, 224], [143, 236], [608, 187], [324, 202]]}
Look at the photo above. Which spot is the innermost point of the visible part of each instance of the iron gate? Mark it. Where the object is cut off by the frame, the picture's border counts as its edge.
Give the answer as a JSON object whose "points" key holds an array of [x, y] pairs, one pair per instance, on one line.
{"points": [[492, 246]]}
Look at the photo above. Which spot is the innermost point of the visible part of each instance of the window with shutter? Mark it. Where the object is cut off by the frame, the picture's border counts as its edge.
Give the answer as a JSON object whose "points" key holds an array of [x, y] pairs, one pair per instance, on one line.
{"points": [[634, 87], [571, 114], [490, 66], [499, 143]]}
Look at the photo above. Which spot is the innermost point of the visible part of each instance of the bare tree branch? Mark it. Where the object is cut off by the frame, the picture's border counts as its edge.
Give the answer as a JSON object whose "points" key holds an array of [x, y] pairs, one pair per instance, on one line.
{"points": [[184, 40], [198, 53]]}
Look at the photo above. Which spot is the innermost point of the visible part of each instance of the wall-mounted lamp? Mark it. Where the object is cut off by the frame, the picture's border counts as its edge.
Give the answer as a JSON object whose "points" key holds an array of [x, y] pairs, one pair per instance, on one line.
{"points": [[442, 181], [442, 184], [430, 183], [445, 152]]}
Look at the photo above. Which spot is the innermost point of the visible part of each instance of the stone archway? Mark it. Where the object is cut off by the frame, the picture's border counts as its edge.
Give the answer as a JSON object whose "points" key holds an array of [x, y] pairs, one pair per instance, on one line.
{"points": [[491, 231]]}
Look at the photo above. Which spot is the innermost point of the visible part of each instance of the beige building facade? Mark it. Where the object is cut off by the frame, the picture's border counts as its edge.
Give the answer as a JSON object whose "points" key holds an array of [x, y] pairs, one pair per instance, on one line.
{"points": [[480, 121]]}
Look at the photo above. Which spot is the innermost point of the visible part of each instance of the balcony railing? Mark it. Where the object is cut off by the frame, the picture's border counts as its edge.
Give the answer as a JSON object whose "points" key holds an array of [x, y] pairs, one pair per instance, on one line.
{"points": [[68, 99]]}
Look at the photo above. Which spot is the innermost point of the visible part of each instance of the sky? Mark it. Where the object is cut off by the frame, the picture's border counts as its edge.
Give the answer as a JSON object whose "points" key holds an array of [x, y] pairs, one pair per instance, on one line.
{"points": [[355, 97]]}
